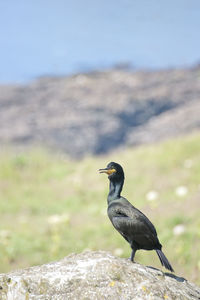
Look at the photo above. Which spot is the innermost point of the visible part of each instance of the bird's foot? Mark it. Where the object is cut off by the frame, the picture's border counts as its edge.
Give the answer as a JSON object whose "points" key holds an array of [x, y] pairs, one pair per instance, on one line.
{"points": [[130, 258]]}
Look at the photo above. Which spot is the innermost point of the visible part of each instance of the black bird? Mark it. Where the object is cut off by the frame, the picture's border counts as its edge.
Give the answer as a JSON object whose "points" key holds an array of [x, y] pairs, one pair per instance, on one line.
{"points": [[130, 222]]}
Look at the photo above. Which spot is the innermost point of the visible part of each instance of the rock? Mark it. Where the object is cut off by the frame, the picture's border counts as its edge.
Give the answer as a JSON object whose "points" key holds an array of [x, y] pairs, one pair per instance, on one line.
{"points": [[173, 123], [94, 275], [97, 112]]}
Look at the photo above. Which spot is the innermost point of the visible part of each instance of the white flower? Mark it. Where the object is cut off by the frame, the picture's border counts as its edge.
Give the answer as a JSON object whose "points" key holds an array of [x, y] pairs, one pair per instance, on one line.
{"points": [[57, 219], [118, 251], [188, 163], [181, 191], [179, 229], [152, 195], [4, 234]]}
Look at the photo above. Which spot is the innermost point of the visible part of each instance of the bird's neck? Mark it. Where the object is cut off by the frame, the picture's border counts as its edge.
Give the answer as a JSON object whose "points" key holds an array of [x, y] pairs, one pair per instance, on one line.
{"points": [[115, 190]]}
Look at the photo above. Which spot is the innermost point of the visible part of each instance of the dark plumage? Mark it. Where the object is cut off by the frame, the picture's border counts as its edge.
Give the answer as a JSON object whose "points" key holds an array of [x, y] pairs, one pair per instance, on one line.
{"points": [[130, 222]]}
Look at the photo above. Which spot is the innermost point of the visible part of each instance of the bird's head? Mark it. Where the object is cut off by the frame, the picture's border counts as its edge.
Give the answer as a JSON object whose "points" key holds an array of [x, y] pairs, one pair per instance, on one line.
{"points": [[114, 171]]}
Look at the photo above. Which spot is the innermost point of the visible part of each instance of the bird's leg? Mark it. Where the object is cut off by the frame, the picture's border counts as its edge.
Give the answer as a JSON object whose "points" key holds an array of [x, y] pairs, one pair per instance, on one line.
{"points": [[132, 255]]}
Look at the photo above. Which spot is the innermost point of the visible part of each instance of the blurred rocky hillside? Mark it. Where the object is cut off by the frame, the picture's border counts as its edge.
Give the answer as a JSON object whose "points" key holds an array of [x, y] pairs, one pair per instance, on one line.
{"points": [[100, 111]]}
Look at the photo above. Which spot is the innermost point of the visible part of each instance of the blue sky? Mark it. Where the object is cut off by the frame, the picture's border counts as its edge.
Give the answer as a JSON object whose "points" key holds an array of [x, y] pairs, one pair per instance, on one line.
{"points": [[57, 37]]}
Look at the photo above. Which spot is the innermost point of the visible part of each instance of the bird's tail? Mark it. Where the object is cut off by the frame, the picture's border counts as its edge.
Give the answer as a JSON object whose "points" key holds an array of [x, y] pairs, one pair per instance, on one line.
{"points": [[164, 261]]}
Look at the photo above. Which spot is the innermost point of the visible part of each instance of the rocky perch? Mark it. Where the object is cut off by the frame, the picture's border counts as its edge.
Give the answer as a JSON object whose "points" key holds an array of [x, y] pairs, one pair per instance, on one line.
{"points": [[94, 275]]}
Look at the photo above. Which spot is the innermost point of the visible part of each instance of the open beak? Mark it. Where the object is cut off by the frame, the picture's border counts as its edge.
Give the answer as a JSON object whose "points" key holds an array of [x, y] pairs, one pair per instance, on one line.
{"points": [[107, 171], [103, 170]]}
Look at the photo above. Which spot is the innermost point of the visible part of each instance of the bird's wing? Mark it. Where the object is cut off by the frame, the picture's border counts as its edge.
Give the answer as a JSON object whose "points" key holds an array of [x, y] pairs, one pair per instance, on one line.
{"points": [[143, 219], [132, 215], [132, 224]]}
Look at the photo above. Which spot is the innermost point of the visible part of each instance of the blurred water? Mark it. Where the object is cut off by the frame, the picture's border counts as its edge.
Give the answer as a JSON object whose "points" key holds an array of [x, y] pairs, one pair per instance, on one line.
{"points": [[55, 37]]}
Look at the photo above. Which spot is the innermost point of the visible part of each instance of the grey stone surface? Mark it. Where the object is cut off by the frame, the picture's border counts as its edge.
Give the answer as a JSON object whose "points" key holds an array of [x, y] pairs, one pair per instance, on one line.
{"points": [[94, 275], [97, 112]]}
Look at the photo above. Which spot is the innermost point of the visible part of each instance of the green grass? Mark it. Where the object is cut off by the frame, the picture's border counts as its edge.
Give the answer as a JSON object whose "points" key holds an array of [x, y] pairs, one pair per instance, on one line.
{"points": [[51, 206]]}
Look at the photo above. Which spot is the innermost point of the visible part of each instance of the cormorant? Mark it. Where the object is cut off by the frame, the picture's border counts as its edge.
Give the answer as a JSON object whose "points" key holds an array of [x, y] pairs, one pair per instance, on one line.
{"points": [[130, 222]]}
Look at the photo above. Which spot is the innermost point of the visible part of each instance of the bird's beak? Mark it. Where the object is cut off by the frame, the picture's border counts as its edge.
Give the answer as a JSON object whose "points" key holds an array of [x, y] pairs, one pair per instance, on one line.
{"points": [[107, 171]]}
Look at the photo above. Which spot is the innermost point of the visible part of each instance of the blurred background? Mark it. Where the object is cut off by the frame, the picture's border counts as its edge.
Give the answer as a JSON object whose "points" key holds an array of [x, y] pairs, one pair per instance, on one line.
{"points": [[85, 83]]}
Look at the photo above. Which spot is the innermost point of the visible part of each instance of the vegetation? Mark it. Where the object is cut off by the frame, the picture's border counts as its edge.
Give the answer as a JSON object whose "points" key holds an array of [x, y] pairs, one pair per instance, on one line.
{"points": [[51, 206]]}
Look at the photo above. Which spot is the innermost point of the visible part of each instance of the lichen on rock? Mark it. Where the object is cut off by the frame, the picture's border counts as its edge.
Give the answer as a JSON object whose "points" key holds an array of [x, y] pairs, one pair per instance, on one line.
{"points": [[94, 275]]}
